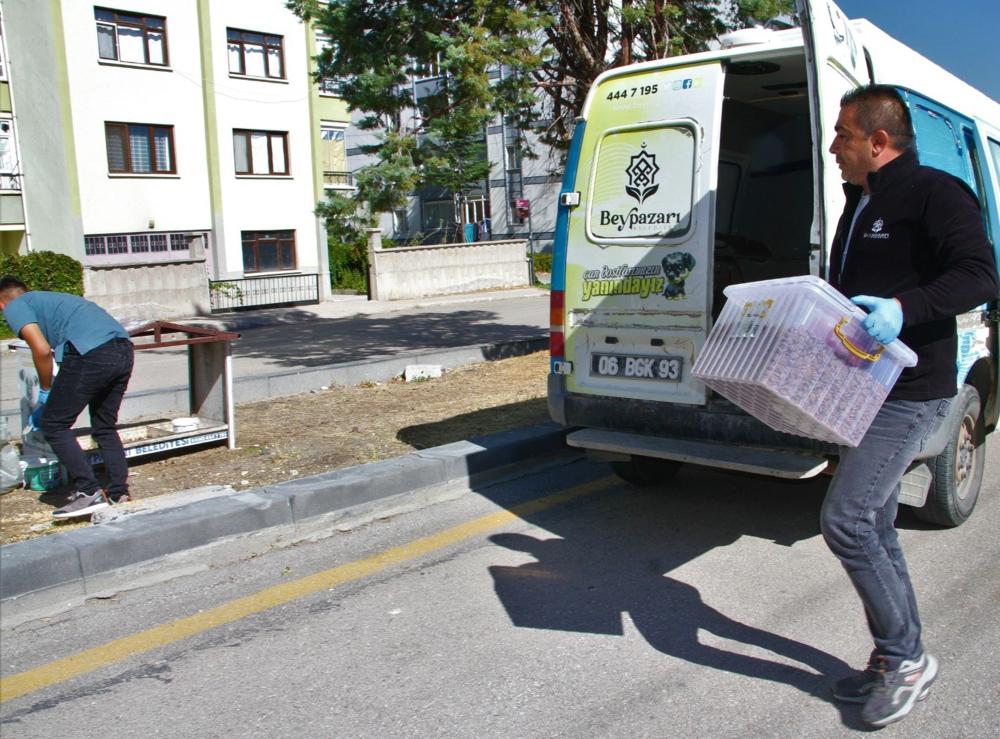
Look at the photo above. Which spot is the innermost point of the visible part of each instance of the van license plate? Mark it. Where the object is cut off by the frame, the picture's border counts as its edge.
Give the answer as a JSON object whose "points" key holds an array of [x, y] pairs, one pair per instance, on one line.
{"points": [[639, 367]]}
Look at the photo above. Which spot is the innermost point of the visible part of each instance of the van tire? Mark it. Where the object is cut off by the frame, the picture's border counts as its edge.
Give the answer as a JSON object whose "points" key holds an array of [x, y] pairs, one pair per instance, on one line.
{"points": [[646, 472], [958, 470]]}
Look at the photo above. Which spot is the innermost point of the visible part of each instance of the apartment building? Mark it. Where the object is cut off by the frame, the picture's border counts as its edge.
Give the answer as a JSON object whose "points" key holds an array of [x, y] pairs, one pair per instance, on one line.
{"points": [[177, 148]]}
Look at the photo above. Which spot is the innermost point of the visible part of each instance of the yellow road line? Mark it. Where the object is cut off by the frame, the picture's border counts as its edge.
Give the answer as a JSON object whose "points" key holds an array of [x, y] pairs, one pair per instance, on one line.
{"points": [[128, 646]]}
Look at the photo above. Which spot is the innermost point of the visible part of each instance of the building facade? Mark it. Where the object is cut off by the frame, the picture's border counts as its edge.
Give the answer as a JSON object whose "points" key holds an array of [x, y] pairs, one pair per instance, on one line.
{"points": [[176, 148]]}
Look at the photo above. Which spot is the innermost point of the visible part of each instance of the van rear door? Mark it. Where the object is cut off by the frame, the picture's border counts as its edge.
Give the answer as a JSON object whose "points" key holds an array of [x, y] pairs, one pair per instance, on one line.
{"points": [[835, 63], [640, 243]]}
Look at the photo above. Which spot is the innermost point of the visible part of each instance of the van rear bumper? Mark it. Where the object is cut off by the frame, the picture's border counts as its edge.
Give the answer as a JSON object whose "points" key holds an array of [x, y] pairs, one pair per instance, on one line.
{"points": [[720, 421]]}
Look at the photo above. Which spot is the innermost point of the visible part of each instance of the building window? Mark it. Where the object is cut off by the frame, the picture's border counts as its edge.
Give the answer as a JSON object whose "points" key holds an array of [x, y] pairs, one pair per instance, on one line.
{"points": [[268, 251], [130, 37], [260, 152], [255, 54], [140, 148], [139, 247]]}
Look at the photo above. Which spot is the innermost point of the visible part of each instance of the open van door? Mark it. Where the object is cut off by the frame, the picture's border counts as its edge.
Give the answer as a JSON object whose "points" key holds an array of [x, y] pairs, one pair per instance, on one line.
{"points": [[640, 243], [835, 63]]}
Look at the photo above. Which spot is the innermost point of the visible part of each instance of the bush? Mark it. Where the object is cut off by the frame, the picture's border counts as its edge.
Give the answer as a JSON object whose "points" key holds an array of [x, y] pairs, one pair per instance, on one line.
{"points": [[543, 262], [42, 270]]}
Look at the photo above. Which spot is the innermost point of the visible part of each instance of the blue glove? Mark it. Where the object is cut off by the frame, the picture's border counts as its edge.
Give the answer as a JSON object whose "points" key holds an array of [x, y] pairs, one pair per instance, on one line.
{"points": [[35, 419], [885, 317]]}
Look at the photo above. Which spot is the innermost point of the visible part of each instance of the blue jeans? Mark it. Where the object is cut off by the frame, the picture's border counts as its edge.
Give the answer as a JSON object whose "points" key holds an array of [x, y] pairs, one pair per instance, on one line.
{"points": [[858, 521], [96, 380]]}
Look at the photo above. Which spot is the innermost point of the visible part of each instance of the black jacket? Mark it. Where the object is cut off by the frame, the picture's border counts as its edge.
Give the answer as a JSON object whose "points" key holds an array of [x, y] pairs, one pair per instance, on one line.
{"points": [[920, 240]]}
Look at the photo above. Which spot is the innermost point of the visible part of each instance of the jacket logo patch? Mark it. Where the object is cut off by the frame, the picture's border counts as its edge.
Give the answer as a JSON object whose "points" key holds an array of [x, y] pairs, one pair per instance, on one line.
{"points": [[876, 232]]}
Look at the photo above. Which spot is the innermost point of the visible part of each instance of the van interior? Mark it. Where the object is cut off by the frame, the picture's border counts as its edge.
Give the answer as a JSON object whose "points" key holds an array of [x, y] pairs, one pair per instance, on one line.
{"points": [[764, 202]]}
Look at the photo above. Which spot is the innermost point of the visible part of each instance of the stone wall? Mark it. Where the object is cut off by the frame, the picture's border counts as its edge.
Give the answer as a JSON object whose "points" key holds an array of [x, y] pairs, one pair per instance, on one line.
{"points": [[149, 292], [442, 269]]}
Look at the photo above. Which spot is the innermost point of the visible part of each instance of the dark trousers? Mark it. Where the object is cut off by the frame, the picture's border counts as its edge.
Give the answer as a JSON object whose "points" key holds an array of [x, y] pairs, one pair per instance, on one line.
{"points": [[858, 521], [96, 380]]}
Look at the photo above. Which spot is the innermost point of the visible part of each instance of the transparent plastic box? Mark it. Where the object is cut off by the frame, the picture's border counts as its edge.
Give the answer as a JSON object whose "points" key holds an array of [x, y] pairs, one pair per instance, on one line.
{"points": [[793, 353]]}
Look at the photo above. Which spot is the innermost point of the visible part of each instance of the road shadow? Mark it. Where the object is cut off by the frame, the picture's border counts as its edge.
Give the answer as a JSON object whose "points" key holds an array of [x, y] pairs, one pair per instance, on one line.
{"points": [[614, 556], [297, 338]]}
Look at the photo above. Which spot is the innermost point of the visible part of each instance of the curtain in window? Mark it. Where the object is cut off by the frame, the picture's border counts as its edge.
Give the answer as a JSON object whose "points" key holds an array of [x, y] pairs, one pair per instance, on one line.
{"points": [[116, 148], [258, 150], [278, 155], [106, 42], [254, 60], [138, 147], [161, 140], [235, 59], [274, 63], [130, 45], [240, 153], [156, 47]]}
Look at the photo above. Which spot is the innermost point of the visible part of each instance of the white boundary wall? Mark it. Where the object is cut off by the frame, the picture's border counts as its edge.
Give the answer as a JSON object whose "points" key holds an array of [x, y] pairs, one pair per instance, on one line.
{"points": [[442, 269]]}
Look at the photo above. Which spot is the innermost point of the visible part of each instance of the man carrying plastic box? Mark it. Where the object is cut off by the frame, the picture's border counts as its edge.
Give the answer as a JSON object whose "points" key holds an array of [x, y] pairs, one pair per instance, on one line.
{"points": [[911, 248], [95, 359]]}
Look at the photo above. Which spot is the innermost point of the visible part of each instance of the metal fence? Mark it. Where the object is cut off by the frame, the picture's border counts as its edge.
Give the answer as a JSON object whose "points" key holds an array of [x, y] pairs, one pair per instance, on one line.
{"points": [[338, 179], [258, 292]]}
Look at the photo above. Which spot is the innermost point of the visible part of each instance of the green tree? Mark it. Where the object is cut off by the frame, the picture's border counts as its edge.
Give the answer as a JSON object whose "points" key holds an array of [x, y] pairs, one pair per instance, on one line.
{"points": [[556, 47], [588, 37], [439, 138]]}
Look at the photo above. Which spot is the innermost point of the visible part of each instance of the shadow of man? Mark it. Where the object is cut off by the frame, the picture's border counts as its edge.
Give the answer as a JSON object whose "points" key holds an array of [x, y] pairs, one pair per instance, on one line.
{"points": [[586, 581]]}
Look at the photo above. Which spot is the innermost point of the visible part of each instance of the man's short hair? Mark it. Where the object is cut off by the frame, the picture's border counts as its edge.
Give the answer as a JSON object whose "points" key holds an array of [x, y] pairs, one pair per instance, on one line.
{"points": [[9, 282], [882, 107]]}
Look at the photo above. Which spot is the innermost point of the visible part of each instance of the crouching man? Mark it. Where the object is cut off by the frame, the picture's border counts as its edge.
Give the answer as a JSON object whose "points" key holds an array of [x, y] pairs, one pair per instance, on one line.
{"points": [[95, 361]]}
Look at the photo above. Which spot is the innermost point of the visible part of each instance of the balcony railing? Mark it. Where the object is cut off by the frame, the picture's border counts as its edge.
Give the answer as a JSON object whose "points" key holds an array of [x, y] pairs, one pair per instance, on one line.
{"points": [[259, 292], [340, 180], [10, 182]]}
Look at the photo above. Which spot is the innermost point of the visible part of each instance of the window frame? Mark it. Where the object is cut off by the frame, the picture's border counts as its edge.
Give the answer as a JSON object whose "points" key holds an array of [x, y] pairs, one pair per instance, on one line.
{"points": [[247, 133], [255, 241], [265, 46], [117, 22], [151, 142]]}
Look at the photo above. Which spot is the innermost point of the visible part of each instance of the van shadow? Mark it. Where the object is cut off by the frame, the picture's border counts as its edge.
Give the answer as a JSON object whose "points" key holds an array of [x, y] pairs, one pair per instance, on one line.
{"points": [[614, 557]]}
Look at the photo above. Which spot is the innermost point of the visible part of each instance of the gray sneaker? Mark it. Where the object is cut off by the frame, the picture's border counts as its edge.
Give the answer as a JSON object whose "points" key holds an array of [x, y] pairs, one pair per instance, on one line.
{"points": [[857, 688], [82, 504], [896, 691]]}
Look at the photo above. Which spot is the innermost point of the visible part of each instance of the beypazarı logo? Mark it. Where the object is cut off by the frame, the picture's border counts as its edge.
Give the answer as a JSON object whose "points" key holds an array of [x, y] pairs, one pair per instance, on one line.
{"points": [[642, 171]]}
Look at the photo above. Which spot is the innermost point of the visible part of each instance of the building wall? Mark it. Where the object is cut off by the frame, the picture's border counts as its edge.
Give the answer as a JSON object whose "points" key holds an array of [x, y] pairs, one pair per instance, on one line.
{"points": [[264, 203], [102, 91], [44, 124]]}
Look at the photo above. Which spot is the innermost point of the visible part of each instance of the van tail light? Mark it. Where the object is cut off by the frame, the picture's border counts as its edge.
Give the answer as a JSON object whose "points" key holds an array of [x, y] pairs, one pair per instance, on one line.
{"points": [[557, 317]]}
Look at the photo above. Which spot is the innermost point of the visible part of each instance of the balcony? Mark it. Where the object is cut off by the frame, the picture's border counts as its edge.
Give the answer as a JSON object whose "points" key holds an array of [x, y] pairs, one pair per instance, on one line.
{"points": [[338, 180]]}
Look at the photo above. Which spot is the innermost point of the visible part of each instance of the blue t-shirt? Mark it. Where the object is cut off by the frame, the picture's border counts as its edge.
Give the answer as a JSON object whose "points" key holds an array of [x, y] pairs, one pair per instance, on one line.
{"points": [[62, 317]]}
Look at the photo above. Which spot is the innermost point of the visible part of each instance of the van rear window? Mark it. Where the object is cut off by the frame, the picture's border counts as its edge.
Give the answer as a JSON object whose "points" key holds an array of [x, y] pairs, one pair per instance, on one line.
{"points": [[643, 184]]}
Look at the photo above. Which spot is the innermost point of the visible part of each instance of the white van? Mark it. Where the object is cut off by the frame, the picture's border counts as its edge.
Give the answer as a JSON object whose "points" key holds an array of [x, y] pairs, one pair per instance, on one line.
{"points": [[695, 172]]}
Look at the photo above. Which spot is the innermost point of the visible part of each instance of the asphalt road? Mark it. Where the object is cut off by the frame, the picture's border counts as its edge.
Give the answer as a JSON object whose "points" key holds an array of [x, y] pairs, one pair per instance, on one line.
{"points": [[709, 609]]}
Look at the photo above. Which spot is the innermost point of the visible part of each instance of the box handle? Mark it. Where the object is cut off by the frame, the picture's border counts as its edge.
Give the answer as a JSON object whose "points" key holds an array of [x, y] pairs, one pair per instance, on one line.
{"points": [[852, 348]]}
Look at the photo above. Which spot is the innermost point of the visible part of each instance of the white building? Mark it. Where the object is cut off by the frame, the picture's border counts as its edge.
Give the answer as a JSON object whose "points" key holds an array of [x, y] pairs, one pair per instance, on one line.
{"points": [[167, 144]]}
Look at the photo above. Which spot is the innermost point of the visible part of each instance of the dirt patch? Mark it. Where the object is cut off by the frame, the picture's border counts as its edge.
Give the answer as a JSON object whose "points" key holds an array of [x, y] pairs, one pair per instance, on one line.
{"points": [[303, 435]]}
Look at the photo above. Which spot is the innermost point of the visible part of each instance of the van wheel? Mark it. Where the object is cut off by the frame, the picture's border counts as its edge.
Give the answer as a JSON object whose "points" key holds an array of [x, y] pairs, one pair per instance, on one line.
{"points": [[958, 470], [645, 472]]}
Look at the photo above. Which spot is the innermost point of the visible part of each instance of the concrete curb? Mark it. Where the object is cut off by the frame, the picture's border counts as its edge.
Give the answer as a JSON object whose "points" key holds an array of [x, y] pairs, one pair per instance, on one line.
{"points": [[62, 569]]}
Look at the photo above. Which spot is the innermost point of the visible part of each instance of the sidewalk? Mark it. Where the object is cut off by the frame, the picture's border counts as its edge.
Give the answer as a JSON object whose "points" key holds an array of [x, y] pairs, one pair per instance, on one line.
{"points": [[344, 341]]}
